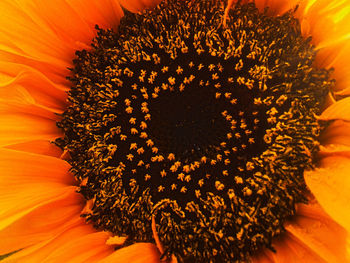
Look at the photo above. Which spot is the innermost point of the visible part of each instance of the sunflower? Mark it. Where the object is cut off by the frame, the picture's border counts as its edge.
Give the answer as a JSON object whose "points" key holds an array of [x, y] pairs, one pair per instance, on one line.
{"points": [[174, 131]]}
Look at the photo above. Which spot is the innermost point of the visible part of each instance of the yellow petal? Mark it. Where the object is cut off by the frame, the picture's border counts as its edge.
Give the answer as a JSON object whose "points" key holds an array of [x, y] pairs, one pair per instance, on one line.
{"points": [[28, 181], [43, 223], [330, 185], [339, 110], [137, 253], [138, 5]]}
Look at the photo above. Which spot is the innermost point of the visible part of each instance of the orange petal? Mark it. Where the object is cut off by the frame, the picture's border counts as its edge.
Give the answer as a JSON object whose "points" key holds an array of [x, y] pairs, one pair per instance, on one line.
{"points": [[76, 28], [276, 7], [344, 92], [24, 32], [41, 37], [22, 127], [339, 110], [334, 150], [328, 20], [81, 248], [28, 109], [105, 13], [19, 101], [23, 84], [328, 24], [137, 253], [138, 5], [311, 236], [25, 116], [78, 23], [331, 186], [42, 147], [29, 180], [53, 70], [319, 232], [262, 257], [44, 222], [336, 55], [290, 249], [338, 133], [81, 243]]}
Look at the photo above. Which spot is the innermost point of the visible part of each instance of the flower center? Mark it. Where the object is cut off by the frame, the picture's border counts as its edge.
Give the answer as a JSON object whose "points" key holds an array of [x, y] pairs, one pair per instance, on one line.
{"points": [[205, 128], [188, 123]]}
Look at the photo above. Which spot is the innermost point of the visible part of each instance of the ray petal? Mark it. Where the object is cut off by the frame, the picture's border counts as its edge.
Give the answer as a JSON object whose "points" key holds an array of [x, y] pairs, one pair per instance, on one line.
{"points": [[331, 186], [337, 133], [137, 253], [311, 236], [18, 127], [313, 227], [290, 249], [138, 5], [276, 7], [339, 110], [32, 34], [23, 84], [80, 243], [328, 24], [44, 221], [43, 147], [28, 181]]}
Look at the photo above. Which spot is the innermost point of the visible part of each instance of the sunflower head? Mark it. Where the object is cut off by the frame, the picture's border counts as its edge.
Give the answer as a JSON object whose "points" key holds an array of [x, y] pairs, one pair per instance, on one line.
{"points": [[196, 131], [203, 126]]}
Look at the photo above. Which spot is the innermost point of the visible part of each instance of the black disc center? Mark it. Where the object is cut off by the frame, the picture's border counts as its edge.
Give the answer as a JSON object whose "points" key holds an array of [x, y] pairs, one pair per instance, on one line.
{"points": [[187, 123]]}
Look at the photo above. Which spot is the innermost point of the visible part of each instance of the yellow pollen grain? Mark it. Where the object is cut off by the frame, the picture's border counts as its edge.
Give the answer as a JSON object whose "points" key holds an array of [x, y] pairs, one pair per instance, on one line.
{"points": [[143, 135], [201, 182], [133, 146], [147, 177], [171, 157], [149, 143]]}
